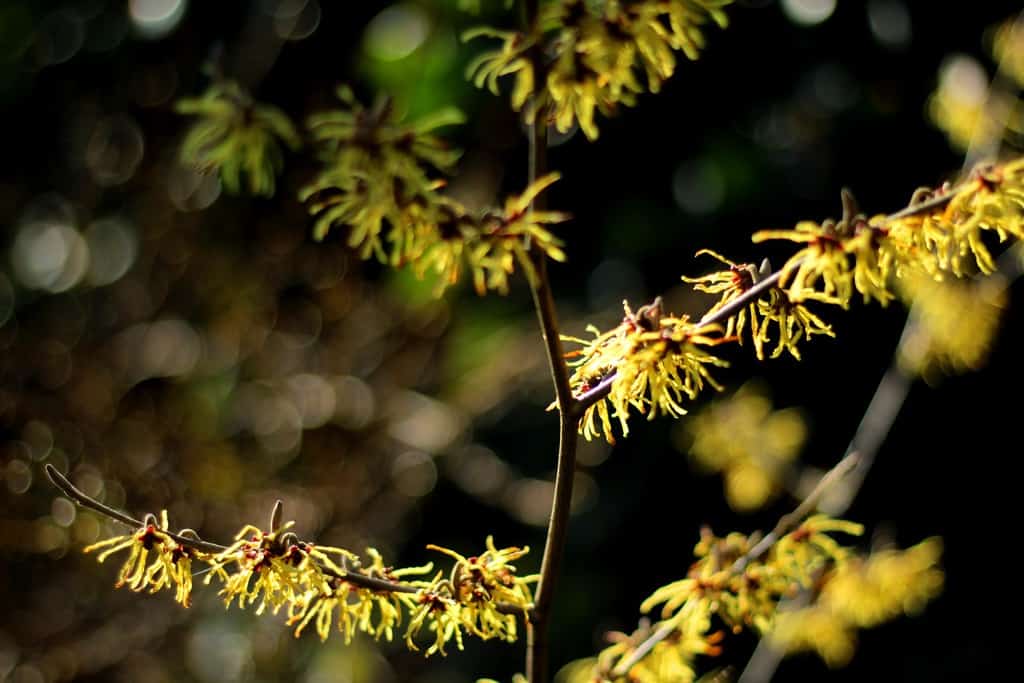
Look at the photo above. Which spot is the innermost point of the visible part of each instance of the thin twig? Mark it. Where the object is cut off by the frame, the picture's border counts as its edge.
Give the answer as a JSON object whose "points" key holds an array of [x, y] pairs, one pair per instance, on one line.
{"points": [[543, 300], [353, 577], [721, 314], [808, 506], [786, 523], [885, 406]]}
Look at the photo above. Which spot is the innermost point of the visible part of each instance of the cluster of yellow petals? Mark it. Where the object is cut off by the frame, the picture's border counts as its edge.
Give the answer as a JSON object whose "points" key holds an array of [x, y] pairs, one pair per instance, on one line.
{"points": [[600, 50], [741, 596], [955, 324], [942, 232], [327, 587], [376, 181], [775, 314], [660, 363], [155, 560], [748, 441], [861, 592], [237, 138]]}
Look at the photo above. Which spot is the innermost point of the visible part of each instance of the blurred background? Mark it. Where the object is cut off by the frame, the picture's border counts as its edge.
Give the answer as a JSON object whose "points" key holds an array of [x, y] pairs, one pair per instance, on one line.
{"points": [[171, 346]]}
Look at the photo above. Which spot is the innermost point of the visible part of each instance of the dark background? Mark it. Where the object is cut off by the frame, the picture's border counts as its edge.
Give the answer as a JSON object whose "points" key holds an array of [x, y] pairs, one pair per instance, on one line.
{"points": [[214, 358]]}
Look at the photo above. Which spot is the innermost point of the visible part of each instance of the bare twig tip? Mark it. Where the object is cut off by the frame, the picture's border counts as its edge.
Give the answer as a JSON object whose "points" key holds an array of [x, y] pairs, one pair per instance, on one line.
{"points": [[276, 515]]}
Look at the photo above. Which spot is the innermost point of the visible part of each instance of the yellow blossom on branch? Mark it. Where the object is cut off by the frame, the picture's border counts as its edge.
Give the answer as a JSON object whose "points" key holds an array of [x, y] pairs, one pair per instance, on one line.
{"points": [[861, 592], [749, 442], [481, 582], [598, 51], [954, 326], [236, 137], [793, 321], [155, 560], [660, 363]]}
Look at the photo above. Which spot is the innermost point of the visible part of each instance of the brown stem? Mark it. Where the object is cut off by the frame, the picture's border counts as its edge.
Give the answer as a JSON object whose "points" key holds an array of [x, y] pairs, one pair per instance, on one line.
{"points": [[353, 577], [734, 306], [785, 524], [543, 301]]}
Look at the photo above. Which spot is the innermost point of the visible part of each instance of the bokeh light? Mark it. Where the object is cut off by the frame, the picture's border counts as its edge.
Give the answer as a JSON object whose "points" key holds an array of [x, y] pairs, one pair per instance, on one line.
{"points": [[808, 12], [154, 19], [397, 32]]}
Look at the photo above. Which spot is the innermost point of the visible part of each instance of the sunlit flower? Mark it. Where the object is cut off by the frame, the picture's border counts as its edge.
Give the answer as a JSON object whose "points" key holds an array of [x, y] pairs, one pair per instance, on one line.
{"points": [[955, 323], [861, 592], [375, 182], [511, 59], [792, 321], [357, 609], [273, 567], [730, 284], [599, 50], [748, 442], [482, 582], [155, 560], [438, 612], [375, 176], [820, 270], [236, 137], [660, 362], [951, 238]]}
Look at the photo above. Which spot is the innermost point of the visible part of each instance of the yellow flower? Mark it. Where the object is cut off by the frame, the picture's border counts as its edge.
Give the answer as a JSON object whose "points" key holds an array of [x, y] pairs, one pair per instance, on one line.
{"points": [[155, 560], [511, 59], [749, 442], [237, 137], [955, 323], [818, 630], [598, 49], [440, 613], [659, 361], [885, 584], [820, 270], [375, 178], [861, 592], [793, 320], [1008, 49], [805, 550], [730, 284], [359, 609], [273, 567], [949, 238], [479, 583], [375, 183]]}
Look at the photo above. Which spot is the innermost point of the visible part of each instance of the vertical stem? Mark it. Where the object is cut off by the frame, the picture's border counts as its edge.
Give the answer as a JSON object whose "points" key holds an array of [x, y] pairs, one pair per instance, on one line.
{"points": [[543, 301]]}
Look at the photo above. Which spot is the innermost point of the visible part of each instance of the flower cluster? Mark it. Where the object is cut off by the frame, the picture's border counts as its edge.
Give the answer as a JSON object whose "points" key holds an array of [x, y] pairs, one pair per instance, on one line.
{"points": [[155, 560], [237, 138], [323, 586], [377, 181], [861, 593], [751, 444], [966, 108], [791, 320], [598, 52], [660, 362], [651, 362], [955, 323], [1008, 49], [715, 587], [942, 232], [468, 599]]}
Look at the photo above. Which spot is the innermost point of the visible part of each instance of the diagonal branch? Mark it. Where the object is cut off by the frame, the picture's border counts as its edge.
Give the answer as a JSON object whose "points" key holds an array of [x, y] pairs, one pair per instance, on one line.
{"points": [[722, 313], [355, 578], [785, 524]]}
